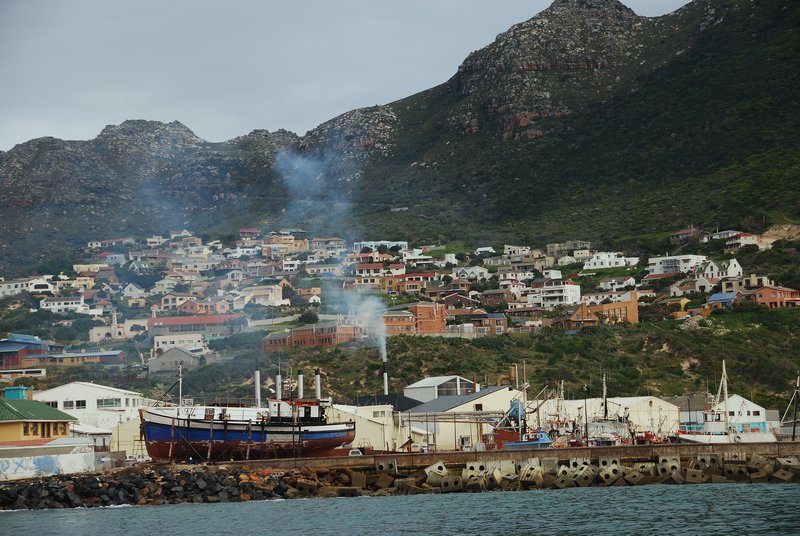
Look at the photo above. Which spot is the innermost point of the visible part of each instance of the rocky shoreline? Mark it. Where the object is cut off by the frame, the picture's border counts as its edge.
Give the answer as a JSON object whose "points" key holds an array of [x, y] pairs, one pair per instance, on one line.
{"points": [[154, 484]]}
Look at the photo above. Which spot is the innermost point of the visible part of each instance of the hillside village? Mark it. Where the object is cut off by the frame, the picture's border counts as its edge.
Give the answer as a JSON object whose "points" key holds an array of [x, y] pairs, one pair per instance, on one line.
{"points": [[172, 296], [151, 307]]}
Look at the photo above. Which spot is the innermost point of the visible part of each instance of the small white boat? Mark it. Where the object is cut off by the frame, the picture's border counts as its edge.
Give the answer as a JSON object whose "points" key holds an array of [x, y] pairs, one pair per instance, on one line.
{"points": [[729, 420]]}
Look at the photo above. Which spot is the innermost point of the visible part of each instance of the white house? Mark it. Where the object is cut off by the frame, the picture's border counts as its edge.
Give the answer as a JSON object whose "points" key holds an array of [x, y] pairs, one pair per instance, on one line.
{"points": [[375, 244], [132, 290], [727, 269], [191, 342], [742, 239], [614, 283], [719, 235], [68, 304], [554, 294], [265, 295], [609, 259], [471, 273], [483, 250], [674, 263]]}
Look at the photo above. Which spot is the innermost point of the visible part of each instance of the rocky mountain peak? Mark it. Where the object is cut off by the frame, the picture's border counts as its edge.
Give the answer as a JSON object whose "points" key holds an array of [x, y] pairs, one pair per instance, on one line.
{"points": [[571, 54], [149, 131], [590, 5]]}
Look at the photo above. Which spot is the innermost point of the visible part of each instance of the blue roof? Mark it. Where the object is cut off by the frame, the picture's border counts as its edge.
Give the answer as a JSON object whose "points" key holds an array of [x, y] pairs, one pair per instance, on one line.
{"points": [[722, 297], [8, 346], [18, 337]]}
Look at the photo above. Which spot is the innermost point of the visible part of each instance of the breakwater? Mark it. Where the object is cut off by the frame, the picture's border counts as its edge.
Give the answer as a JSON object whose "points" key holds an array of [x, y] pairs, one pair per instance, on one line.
{"points": [[155, 484]]}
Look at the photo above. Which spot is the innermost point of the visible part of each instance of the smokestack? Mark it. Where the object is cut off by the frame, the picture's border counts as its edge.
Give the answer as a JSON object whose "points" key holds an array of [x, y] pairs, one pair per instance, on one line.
{"points": [[385, 379], [278, 386], [300, 385], [257, 381], [317, 384]]}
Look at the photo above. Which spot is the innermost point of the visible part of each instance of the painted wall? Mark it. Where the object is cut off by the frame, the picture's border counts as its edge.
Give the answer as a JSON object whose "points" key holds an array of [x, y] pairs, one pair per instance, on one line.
{"points": [[80, 460]]}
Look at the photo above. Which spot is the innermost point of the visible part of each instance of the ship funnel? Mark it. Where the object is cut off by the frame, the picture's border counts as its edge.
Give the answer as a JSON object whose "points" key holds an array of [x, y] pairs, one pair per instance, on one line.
{"points": [[257, 381], [385, 379], [300, 385], [317, 384], [278, 386]]}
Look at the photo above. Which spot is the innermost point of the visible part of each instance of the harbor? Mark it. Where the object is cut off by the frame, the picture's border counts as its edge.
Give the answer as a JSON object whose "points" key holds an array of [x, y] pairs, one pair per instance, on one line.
{"points": [[411, 474]]}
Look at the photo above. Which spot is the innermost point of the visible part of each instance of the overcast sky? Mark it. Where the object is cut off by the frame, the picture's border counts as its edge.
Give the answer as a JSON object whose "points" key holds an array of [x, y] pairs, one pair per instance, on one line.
{"points": [[228, 67]]}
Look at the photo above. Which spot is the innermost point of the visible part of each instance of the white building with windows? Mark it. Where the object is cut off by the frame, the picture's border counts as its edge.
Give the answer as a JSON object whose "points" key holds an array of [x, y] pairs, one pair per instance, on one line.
{"points": [[609, 259], [93, 404], [674, 263], [554, 294], [193, 343]]}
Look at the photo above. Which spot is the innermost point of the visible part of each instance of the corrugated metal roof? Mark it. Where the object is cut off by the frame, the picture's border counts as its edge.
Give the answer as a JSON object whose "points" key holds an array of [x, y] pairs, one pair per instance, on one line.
{"points": [[445, 403], [433, 381], [31, 410]]}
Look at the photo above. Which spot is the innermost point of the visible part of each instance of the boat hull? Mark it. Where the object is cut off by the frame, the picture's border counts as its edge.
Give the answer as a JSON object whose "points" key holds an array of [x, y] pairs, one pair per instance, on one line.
{"points": [[727, 439], [175, 437]]}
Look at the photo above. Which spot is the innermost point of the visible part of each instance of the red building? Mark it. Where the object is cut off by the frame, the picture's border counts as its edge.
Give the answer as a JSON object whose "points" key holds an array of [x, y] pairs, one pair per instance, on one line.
{"points": [[328, 334]]}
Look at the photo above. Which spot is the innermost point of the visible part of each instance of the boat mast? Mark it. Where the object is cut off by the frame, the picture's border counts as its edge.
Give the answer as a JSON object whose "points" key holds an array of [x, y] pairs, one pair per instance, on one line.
{"points": [[605, 398], [794, 400], [180, 383], [723, 389]]}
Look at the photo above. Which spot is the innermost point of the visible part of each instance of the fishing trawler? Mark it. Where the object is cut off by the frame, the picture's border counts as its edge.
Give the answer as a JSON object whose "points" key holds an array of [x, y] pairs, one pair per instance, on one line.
{"points": [[275, 429], [729, 420]]}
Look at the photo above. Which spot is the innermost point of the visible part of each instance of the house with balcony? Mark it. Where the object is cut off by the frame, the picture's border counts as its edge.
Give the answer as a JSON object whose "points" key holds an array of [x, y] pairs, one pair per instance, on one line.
{"points": [[674, 263]]}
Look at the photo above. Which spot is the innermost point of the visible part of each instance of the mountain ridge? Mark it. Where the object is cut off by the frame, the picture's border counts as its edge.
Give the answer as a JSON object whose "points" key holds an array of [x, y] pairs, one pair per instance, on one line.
{"points": [[583, 109]]}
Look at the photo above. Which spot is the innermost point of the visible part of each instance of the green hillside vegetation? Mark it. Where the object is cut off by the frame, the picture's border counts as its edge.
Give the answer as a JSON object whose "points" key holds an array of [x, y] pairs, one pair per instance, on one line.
{"points": [[761, 348], [710, 137]]}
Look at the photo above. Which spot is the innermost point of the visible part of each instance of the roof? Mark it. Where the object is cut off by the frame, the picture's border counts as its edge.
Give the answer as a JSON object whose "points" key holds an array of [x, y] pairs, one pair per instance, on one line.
{"points": [[92, 385], [433, 381], [83, 354], [31, 410], [187, 320], [445, 403], [723, 296], [18, 337]]}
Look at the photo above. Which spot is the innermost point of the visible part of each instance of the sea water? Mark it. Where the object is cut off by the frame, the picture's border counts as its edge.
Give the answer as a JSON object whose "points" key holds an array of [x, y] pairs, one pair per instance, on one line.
{"points": [[707, 509]]}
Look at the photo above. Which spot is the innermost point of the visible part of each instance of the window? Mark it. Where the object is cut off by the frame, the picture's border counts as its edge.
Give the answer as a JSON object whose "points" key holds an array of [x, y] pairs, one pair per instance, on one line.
{"points": [[62, 428], [52, 404], [34, 428], [109, 403], [69, 404], [80, 404], [376, 414], [478, 407], [756, 412], [26, 429]]}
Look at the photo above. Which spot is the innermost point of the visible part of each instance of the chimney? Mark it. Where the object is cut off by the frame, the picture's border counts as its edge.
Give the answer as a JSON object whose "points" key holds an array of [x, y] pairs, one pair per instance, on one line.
{"points": [[257, 380], [317, 384], [300, 385], [385, 379], [278, 386]]}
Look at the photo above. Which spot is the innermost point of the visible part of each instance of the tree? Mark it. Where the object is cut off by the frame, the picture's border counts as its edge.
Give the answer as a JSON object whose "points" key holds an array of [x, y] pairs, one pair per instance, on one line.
{"points": [[309, 317], [382, 249], [366, 249]]}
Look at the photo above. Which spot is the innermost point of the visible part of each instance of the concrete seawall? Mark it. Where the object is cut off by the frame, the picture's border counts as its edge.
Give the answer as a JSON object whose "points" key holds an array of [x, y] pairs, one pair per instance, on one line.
{"points": [[410, 474], [626, 454]]}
